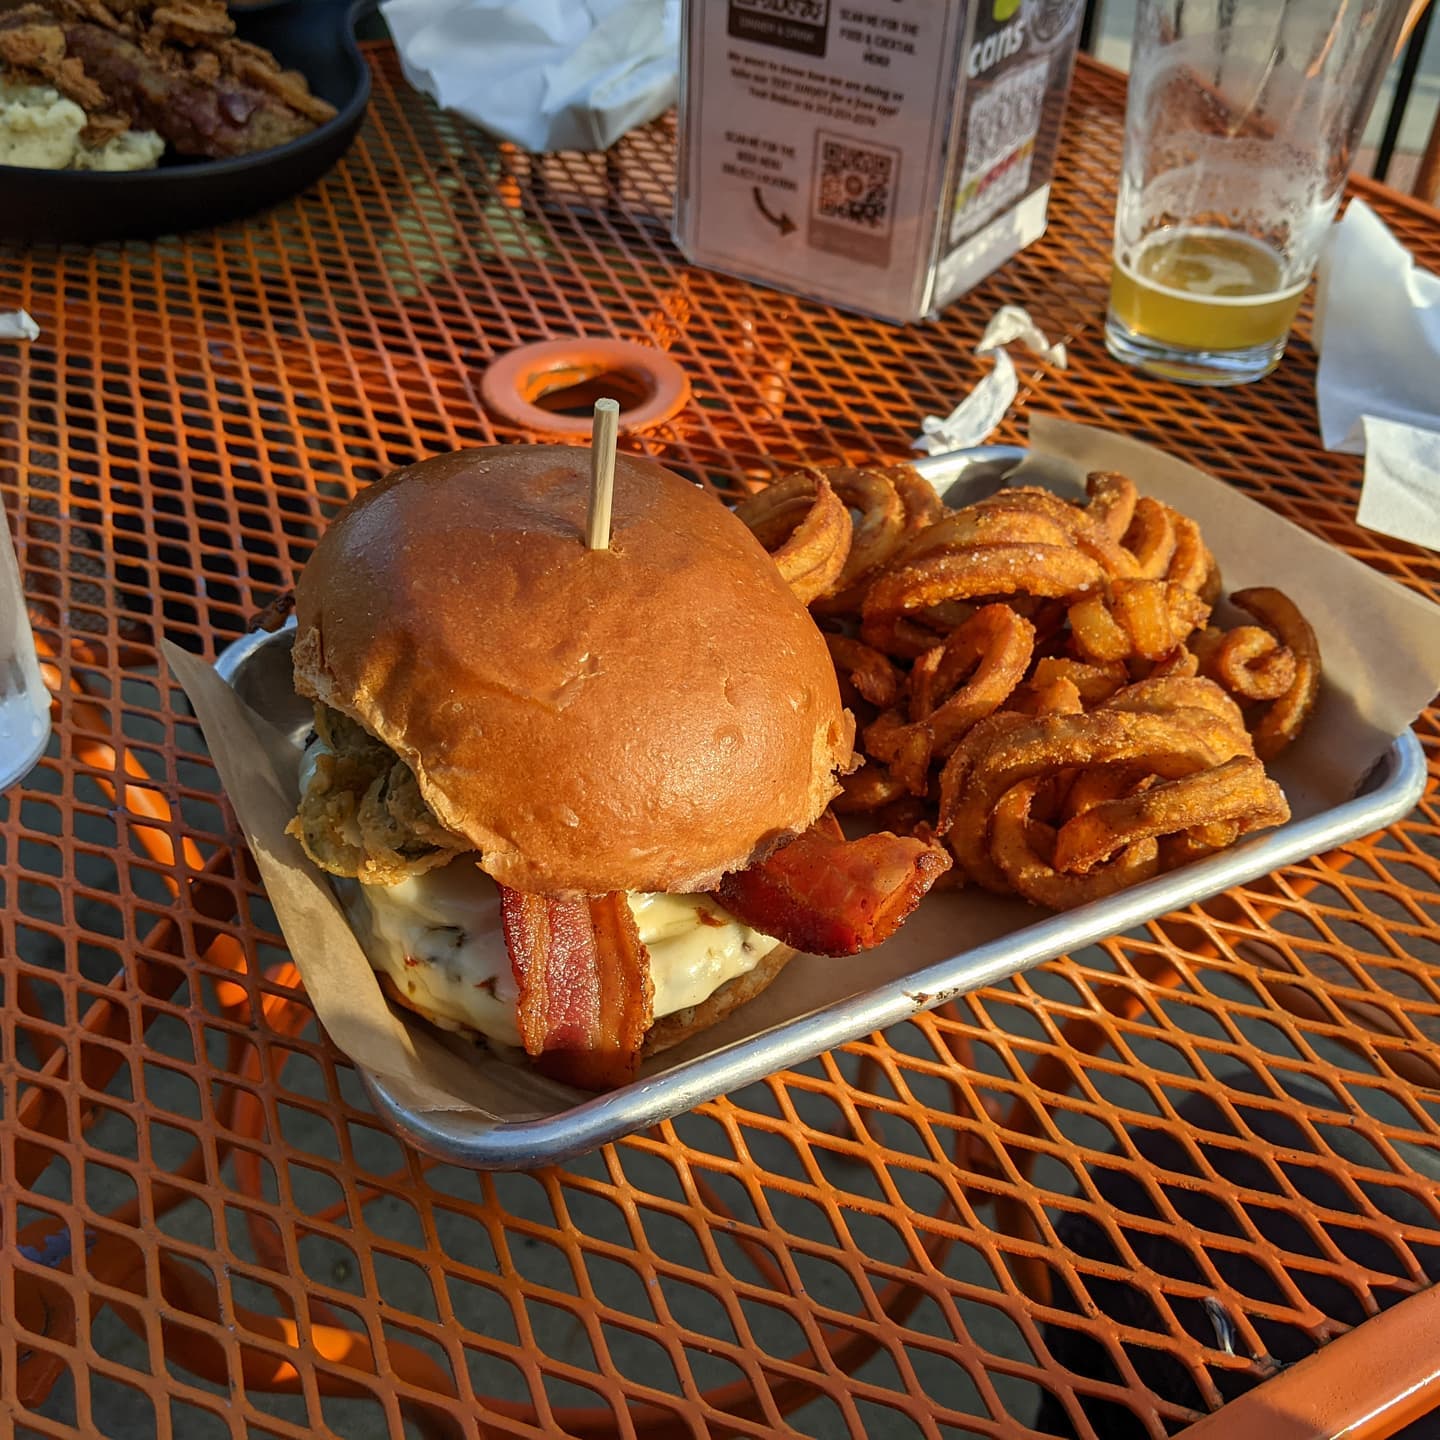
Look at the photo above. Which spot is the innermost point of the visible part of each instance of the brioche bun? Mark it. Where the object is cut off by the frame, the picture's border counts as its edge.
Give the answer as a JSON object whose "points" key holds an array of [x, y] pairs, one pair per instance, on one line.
{"points": [[646, 717]]}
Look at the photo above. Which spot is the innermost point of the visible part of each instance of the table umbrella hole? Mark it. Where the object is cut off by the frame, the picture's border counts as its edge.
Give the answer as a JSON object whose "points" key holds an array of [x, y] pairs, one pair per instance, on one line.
{"points": [[551, 387], [574, 391]]}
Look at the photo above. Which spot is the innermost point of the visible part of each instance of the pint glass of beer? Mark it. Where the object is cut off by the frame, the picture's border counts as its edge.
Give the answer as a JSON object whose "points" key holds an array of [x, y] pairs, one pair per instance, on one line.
{"points": [[1241, 122]]}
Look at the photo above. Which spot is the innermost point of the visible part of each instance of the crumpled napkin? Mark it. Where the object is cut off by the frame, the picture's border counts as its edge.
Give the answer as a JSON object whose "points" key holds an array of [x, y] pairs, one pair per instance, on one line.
{"points": [[545, 74], [1377, 328], [17, 325], [977, 415]]}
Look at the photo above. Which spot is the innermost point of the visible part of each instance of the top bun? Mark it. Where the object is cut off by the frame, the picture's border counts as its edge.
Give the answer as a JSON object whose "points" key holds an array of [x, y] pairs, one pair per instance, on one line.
{"points": [[646, 717]]}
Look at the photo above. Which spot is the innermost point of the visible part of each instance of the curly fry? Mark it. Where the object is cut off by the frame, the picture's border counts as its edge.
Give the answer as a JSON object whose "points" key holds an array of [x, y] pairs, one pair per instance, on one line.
{"points": [[955, 775], [1281, 721], [971, 675], [806, 527], [1163, 695], [922, 502], [1090, 788], [882, 521], [1096, 633], [1151, 538], [1064, 676], [1141, 607], [1057, 696], [1197, 842], [1238, 791], [1210, 589], [1179, 663], [1086, 534], [869, 673], [867, 789], [948, 615], [1191, 564], [973, 782], [1188, 611], [1112, 501], [952, 687], [1135, 619], [1045, 570], [904, 748], [1018, 848], [1095, 683], [977, 526], [1249, 662]]}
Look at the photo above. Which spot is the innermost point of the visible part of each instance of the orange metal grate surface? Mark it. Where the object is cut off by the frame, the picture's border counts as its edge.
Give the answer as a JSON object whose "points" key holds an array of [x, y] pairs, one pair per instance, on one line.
{"points": [[1097, 1201]]}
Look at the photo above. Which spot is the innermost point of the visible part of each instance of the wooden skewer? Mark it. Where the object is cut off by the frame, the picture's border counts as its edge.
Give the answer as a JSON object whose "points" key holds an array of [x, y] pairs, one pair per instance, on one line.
{"points": [[1412, 19], [602, 473]]}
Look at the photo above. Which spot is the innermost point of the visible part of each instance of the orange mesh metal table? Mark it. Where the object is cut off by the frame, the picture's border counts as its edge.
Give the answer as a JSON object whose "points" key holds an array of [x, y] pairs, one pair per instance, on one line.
{"points": [[1102, 1200]]}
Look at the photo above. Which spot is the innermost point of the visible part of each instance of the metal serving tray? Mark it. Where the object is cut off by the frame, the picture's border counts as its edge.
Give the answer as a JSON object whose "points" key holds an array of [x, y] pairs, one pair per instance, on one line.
{"points": [[258, 667]]}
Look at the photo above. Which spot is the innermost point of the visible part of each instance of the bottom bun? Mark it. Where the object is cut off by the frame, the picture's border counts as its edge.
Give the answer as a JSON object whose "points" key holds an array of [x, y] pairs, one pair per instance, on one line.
{"points": [[391, 992], [668, 1030]]}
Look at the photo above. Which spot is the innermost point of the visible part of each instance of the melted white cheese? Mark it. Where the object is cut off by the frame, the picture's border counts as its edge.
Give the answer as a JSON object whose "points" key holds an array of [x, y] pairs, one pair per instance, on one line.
{"points": [[438, 937], [695, 947]]}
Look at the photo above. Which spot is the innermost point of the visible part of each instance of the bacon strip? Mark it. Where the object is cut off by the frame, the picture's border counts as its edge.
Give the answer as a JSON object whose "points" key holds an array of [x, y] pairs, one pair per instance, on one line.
{"points": [[586, 996], [831, 896]]}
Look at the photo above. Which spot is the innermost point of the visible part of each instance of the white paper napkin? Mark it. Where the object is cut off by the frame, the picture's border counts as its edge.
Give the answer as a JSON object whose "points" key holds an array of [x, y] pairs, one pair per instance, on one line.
{"points": [[545, 74], [979, 412], [17, 325], [1377, 327], [1401, 495], [1013, 322]]}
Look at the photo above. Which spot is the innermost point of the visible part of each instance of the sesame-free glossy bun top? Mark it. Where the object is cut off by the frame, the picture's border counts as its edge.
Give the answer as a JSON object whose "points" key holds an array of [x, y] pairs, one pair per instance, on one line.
{"points": [[646, 717]]}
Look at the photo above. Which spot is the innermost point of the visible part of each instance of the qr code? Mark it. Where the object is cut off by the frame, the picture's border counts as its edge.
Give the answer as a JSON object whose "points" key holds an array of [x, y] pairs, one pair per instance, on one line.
{"points": [[855, 184]]}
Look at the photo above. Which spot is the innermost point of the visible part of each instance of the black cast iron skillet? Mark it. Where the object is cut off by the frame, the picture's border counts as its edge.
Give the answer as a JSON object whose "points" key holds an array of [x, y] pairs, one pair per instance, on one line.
{"points": [[315, 37]]}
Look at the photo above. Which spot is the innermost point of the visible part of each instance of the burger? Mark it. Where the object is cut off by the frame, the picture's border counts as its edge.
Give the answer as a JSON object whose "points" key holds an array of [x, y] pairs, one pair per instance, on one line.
{"points": [[576, 799]]}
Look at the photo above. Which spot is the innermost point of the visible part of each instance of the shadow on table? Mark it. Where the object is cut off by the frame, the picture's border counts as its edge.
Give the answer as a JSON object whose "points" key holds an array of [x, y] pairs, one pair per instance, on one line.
{"points": [[1280, 1224]]}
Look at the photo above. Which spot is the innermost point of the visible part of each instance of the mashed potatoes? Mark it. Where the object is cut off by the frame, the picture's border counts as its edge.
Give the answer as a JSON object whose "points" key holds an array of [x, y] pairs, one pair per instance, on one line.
{"points": [[40, 130]]}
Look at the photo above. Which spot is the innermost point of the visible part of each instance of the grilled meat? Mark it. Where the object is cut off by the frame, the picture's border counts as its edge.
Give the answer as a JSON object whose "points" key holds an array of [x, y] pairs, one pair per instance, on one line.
{"points": [[216, 119], [174, 67]]}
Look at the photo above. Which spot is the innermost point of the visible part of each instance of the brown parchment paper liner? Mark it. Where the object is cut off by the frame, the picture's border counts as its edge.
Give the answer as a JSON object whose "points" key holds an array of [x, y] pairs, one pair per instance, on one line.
{"points": [[1381, 647], [259, 769]]}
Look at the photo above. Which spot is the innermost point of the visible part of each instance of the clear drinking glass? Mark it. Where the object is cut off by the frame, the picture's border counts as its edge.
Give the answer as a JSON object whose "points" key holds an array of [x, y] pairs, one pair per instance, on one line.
{"points": [[24, 700], [1241, 122]]}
